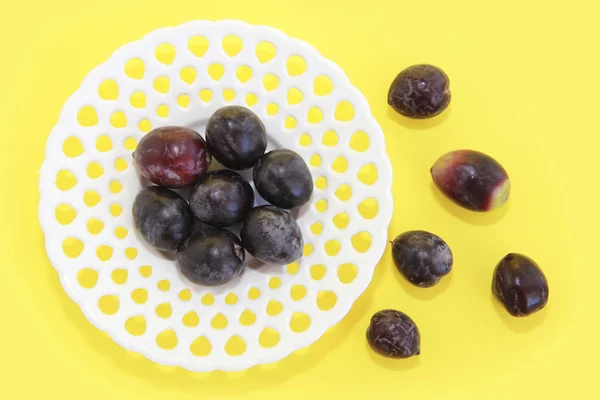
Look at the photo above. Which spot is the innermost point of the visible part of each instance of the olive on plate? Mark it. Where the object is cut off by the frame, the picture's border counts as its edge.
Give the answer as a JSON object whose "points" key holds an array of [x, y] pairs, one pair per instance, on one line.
{"points": [[221, 198], [272, 235], [211, 257], [283, 179], [172, 156], [236, 137], [162, 217]]}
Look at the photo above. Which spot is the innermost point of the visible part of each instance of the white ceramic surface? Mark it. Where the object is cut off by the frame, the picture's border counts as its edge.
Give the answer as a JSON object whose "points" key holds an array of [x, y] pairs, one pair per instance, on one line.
{"points": [[171, 96]]}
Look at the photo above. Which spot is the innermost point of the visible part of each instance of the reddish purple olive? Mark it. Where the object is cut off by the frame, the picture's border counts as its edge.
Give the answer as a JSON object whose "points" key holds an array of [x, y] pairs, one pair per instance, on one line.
{"points": [[420, 91], [172, 156], [520, 285], [394, 334], [472, 180]]}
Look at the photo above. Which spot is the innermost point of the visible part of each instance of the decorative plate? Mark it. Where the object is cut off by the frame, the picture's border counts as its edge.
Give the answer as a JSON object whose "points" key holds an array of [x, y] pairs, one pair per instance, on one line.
{"points": [[180, 76]]}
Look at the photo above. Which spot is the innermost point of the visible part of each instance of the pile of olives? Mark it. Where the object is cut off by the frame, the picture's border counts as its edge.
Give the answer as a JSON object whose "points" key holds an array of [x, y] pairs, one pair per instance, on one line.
{"points": [[174, 157], [470, 179]]}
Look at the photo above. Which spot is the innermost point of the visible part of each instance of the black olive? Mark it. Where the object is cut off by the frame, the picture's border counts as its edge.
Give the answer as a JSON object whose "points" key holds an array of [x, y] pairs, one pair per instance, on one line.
{"points": [[162, 217], [283, 179], [420, 91], [272, 235], [236, 137], [422, 257], [211, 257], [393, 334], [520, 285], [221, 198]]}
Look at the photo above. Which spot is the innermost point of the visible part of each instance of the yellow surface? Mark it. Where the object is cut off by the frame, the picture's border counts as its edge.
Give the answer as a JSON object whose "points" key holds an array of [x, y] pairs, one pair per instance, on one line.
{"points": [[525, 83]]}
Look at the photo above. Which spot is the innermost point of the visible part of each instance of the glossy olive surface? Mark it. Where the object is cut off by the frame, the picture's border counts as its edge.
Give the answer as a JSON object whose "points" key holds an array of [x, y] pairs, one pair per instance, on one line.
{"points": [[472, 180], [162, 217], [283, 179], [236, 137], [520, 285], [221, 198], [211, 257], [172, 156]]}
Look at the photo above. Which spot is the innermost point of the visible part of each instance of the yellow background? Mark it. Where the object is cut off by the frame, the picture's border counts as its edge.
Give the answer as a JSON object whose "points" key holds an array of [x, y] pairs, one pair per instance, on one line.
{"points": [[525, 89]]}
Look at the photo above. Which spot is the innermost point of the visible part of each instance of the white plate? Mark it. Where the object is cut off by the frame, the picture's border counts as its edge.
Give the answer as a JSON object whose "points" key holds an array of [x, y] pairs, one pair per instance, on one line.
{"points": [[99, 127]]}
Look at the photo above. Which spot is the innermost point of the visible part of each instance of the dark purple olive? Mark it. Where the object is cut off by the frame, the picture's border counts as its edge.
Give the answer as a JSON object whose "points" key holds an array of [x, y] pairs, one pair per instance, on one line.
{"points": [[520, 285], [162, 217], [172, 156], [283, 179], [420, 91], [236, 137], [393, 334], [211, 257], [221, 198], [472, 180], [421, 257], [272, 235]]}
